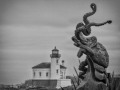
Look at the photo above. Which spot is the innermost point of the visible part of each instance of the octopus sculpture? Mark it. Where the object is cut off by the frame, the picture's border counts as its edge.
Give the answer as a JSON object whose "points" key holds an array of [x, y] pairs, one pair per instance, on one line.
{"points": [[97, 58]]}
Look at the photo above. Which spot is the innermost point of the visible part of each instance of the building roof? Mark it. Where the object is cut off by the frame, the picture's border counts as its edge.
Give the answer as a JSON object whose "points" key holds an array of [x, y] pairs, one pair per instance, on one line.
{"points": [[55, 49], [46, 65]]}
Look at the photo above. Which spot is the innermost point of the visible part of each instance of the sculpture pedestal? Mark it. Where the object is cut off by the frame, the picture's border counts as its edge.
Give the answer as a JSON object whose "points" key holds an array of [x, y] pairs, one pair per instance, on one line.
{"points": [[90, 84]]}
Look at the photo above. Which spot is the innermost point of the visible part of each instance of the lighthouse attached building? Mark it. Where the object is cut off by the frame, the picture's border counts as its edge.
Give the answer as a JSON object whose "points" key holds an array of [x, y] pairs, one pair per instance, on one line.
{"points": [[50, 74]]}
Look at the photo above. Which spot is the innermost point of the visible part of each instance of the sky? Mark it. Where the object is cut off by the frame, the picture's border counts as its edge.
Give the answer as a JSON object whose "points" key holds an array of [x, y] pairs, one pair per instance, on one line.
{"points": [[30, 29]]}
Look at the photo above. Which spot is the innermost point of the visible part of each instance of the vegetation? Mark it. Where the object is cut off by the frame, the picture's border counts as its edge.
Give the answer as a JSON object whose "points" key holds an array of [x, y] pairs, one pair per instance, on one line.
{"points": [[114, 83]]}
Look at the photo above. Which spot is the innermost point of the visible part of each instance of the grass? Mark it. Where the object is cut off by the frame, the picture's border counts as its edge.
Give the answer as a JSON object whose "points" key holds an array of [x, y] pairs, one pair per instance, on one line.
{"points": [[114, 83]]}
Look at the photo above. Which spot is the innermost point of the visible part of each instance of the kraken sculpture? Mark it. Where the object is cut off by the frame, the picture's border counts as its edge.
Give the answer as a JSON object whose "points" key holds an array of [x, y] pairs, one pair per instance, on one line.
{"points": [[97, 58]]}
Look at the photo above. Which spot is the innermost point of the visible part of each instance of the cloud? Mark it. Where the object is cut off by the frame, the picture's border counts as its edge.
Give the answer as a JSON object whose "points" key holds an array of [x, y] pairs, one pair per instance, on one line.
{"points": [[51, 13]]}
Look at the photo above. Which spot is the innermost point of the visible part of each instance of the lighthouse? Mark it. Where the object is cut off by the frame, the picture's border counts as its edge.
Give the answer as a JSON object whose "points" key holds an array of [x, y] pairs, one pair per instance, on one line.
{"points": [[50, 74], [55, 64]]}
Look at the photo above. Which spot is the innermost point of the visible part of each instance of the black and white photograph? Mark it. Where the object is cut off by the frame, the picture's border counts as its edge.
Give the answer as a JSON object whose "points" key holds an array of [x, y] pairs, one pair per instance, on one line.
{"points": [[59, 44]]}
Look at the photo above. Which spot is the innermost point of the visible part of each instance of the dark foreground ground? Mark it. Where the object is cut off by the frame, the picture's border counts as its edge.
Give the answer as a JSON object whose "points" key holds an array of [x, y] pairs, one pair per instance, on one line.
{"points": [[115, 85]]}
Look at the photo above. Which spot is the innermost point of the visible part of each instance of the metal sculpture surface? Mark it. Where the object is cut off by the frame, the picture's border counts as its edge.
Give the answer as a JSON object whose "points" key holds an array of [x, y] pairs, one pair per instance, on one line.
{"points": [[97, 58]]}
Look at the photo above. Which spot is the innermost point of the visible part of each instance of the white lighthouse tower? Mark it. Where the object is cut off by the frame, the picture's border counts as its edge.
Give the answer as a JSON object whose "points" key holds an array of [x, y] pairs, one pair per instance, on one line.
{"points": [[55, 64]]}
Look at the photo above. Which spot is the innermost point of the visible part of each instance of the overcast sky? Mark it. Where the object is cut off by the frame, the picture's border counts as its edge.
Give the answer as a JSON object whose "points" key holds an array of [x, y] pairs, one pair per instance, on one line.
{"points": [[29, 30]]}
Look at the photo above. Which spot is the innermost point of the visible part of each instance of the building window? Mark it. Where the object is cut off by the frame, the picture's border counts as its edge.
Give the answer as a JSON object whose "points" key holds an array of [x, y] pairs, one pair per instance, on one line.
{"points": [[57, 71], [33, 74], [57, 61], [47, 74], [39, 73]]}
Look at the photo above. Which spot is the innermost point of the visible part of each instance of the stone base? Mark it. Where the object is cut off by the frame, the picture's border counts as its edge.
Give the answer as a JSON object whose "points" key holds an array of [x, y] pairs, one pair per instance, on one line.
{"points": [[41, 83], [90, 85], [63, 83], [50, 83]]}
